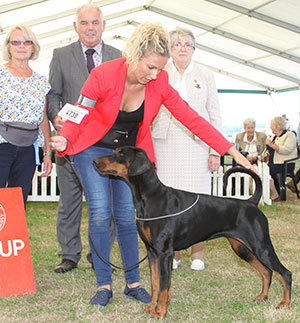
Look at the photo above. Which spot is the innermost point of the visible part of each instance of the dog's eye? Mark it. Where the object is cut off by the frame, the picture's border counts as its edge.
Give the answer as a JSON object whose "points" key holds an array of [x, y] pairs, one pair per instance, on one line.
{"points": [[121, 158]]}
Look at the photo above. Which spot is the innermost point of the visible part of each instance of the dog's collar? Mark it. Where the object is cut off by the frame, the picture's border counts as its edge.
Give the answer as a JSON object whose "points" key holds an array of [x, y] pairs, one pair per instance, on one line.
{"points": [[171, 215]]}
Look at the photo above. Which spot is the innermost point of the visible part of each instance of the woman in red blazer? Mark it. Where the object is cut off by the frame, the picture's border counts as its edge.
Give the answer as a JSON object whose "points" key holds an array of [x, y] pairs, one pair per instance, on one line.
{"points": [[122, 98]]}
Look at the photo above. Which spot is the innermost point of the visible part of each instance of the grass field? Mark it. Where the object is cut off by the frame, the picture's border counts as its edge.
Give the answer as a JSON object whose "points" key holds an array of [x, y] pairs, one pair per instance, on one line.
{"points": [[223, 292]]}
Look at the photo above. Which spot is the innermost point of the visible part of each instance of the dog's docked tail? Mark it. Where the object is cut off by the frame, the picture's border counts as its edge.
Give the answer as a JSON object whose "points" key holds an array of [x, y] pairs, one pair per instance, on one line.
{"points": [[255, 198]]}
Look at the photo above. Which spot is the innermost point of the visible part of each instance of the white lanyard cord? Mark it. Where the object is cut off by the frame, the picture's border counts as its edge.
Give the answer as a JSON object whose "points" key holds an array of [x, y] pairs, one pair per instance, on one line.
{"points": [[171, 215]]}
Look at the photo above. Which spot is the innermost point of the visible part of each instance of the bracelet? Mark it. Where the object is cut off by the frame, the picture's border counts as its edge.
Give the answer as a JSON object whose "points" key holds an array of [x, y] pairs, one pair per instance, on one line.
{"points": [[47, 153]]}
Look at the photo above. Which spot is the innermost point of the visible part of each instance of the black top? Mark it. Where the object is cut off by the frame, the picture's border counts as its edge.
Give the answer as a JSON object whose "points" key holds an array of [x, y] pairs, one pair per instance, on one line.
{"points": [[124, 130], [271, 150]]}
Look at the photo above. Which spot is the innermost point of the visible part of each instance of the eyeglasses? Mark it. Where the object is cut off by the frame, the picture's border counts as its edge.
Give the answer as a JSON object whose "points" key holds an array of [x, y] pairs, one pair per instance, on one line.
{"points": [[19, 42], [186, 46]]}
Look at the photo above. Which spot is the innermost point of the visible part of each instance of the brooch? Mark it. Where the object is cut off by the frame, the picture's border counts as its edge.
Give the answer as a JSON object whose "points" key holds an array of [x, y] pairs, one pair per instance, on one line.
{"points": [[197, 85]]}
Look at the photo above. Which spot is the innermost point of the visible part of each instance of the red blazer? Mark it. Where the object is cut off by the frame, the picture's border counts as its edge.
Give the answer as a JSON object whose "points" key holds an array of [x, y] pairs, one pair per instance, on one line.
{"points": [[105, 85]]}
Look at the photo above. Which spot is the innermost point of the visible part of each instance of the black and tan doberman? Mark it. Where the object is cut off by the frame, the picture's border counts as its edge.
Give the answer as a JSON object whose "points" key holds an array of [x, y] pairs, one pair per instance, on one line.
{"points": [[169, 219]]}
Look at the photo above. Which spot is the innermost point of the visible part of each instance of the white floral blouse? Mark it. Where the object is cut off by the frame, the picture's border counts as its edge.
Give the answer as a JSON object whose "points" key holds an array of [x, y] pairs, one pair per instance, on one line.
{"points": [[22, 100]]}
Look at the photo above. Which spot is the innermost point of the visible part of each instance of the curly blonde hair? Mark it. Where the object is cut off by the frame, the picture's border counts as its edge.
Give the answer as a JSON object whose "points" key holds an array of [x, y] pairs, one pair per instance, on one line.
{"points": [[28, 35], [149, 37]]}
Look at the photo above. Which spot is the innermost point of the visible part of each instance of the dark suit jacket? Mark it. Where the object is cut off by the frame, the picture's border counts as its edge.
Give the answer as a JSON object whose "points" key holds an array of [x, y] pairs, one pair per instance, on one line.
{"points": [[68, 72]]}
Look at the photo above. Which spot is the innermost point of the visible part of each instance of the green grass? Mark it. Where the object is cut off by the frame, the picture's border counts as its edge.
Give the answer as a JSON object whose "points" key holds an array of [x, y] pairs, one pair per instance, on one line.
{"points": [[223, 292]]}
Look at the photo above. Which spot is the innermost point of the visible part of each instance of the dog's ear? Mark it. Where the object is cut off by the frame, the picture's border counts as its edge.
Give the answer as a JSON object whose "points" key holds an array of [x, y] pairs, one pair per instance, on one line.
{"points": [[140, 164]]}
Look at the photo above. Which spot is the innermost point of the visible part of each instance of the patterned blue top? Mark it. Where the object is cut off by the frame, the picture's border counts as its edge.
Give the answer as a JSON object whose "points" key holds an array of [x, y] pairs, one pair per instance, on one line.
{"points": [[22, 100]]}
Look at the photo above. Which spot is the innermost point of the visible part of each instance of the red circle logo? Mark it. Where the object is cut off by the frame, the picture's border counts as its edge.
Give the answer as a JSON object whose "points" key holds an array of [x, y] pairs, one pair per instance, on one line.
{"points": [[2, 217]]}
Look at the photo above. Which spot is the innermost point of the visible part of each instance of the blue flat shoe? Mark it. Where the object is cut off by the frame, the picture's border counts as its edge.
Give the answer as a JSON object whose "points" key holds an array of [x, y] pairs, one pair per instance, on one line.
{"points": [[139, 293], [102, 298]]}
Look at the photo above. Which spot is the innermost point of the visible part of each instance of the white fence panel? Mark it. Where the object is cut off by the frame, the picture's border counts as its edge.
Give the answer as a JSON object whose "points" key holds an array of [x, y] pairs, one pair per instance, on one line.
{"points": [[46, 189], [242, 182]]}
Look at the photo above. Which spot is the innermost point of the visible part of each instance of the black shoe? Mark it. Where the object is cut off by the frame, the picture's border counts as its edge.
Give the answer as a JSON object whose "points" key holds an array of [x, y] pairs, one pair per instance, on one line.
{"points": [[64, 266], [89, 258], [139, 293], [102, 298]]}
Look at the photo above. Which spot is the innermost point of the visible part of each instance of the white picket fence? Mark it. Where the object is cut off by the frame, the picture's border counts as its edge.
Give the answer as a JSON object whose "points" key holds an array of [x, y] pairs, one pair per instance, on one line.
{"points": [[243, 184], [45, 189]]}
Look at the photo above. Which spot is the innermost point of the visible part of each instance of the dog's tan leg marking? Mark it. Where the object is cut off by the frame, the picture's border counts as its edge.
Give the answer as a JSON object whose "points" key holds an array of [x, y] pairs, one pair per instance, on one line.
{"points": [[163, 303], [254, 262], [155, 285], [169, 294], [265, 274], [147, 233], [286, 302]]}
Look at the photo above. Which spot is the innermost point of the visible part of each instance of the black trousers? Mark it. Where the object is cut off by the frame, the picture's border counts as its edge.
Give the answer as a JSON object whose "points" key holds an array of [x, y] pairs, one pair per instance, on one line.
{"points": [[276, 169], [17, 167]]}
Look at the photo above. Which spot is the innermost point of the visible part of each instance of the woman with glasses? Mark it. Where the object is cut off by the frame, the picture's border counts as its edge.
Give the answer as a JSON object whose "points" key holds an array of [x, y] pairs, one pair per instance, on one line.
{"points": [[22, 112], [183, 160]]}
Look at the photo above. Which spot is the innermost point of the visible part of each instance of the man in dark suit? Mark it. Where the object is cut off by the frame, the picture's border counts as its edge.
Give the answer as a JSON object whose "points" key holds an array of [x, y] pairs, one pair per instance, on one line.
{"points": [[68, 72]]}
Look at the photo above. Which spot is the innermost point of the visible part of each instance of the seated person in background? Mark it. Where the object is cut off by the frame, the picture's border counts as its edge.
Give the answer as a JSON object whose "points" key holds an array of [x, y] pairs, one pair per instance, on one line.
{"points": [[251, 142], [281, 147], [290, 184]]}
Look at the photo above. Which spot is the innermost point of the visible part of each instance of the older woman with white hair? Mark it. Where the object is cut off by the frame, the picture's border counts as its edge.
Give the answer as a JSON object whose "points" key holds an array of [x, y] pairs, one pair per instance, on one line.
{"points": [[281, 147], [183, 160], [22, 111], [250, 142]]}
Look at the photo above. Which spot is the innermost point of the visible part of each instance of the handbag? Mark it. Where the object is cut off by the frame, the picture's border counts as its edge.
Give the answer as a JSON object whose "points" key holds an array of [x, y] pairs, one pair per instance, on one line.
{"points": [[19, 133], [115, 137]]}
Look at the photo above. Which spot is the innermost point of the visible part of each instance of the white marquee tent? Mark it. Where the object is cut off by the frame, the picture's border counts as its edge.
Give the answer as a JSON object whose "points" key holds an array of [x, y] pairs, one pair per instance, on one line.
{"points": [[253, 46]]}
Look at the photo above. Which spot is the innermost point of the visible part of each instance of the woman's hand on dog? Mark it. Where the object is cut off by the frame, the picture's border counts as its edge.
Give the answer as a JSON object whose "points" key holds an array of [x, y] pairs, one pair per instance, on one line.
{"points": [[241, 160]]}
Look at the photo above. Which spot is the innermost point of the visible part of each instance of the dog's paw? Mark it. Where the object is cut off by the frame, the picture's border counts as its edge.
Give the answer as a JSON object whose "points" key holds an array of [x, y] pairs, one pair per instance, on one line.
{"points": [[149, 309], [159, 315], [283, 304], [261, 298]]}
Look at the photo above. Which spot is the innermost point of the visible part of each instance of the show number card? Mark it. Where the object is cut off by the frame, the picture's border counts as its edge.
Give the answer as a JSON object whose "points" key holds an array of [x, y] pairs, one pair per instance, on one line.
{"points": [[72, 113]]}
